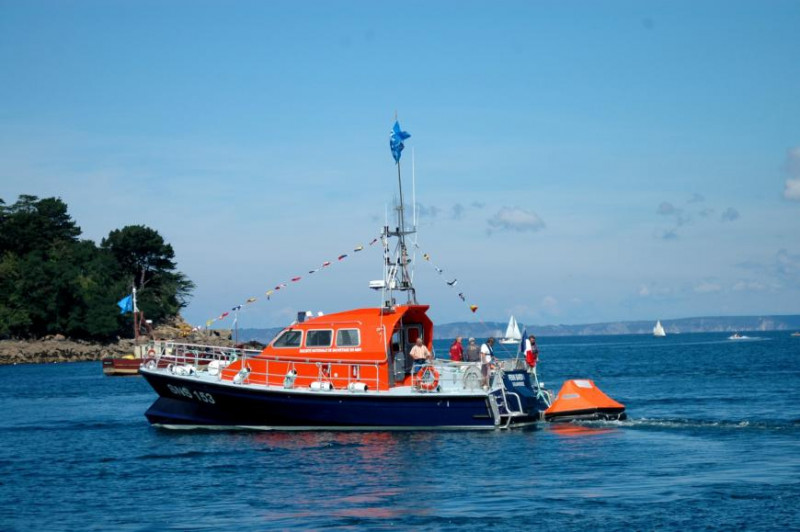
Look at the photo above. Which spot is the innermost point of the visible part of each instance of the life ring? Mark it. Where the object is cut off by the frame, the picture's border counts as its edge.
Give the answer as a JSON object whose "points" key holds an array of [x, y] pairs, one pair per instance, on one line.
{"points": [[151, 352], [428, 385]]}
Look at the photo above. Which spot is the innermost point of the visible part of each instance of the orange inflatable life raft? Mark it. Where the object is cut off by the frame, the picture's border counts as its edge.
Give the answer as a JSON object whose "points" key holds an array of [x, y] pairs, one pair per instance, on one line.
{"points": [[580, 399]]}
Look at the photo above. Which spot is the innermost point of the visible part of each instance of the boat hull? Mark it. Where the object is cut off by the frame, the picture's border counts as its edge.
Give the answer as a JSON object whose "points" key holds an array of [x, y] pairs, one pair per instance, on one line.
{"points": [[189, 403], [121, 367]]}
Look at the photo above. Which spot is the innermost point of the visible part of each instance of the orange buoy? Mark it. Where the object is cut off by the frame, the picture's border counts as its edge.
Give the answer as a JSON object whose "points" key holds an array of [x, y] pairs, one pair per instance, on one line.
{"points": [[429, 384]]}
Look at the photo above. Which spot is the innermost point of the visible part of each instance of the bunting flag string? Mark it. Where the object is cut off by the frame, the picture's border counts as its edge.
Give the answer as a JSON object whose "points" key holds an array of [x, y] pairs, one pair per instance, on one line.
{"points": [[282, 286], [451, 284]]}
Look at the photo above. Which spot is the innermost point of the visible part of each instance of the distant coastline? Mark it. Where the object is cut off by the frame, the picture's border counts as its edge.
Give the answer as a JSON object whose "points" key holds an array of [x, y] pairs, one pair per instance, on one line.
{"points": [[704, 324], [60, 349]]}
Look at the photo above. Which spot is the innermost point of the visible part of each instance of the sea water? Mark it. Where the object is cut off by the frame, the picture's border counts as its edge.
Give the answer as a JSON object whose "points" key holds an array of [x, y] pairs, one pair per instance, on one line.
{"points": [[712, 442]]}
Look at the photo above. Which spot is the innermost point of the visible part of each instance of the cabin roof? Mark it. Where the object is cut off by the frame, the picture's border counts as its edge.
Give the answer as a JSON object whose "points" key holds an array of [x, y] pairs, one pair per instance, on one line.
{"points": [[375, 328]]}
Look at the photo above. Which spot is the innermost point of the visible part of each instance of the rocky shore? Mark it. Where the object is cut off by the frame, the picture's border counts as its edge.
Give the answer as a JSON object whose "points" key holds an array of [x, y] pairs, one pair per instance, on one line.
{"points": [[57, 348]]}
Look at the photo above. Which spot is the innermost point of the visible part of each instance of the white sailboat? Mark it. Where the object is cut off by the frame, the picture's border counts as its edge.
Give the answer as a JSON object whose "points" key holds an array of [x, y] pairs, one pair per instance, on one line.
{"points": [[658, 330], [513, 336]]}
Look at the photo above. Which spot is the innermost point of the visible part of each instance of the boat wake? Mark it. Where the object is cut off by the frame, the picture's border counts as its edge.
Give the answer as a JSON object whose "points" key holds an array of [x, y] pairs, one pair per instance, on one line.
{"points": [[694, 424]]}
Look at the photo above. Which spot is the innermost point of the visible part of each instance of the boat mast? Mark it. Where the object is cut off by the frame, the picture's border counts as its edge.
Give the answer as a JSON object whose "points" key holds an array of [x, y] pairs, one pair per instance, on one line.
{"points": [[400, 268]]}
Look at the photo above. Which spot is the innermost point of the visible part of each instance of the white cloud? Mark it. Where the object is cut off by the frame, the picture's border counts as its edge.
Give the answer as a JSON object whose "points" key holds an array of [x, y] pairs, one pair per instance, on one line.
{"points": [[670, 234], [792, 190], [696, 198], [729, 214], [550, 305], [748, 286], [515, 219], [793, 162], [787, 265], [707, 287], [666, 208], [425, 211]]}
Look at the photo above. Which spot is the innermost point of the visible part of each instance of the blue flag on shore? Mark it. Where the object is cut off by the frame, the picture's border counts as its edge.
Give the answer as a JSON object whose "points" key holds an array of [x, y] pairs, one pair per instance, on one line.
{"points": [[125, 304], [396, 141]]}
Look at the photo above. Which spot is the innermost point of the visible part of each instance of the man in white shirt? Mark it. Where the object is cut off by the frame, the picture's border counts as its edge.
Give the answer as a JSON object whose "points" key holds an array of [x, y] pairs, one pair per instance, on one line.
{"points": [[419, 354], [487, 355]]}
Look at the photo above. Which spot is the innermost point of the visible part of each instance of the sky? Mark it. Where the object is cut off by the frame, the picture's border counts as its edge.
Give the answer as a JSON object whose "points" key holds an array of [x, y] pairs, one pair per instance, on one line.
{"points": [[572, 161]]}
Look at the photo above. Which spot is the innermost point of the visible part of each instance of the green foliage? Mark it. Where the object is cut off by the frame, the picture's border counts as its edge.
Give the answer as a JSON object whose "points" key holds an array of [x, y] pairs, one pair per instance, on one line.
{"points": [[52, 282], [145, 259]]}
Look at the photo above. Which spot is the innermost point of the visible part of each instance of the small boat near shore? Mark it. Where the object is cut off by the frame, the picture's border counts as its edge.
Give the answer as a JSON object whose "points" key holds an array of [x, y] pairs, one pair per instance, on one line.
{"points": [[349, 370], [123, 366], [658, 330]]}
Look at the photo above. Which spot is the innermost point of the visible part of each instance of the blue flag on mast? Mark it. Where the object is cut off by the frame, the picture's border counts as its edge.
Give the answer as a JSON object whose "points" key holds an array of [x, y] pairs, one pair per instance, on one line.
{"points": [[125, 304], [396, 141]]}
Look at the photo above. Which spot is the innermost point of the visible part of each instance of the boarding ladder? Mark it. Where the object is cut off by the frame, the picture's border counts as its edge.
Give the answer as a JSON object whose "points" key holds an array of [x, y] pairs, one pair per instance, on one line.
{"points": [[505, 405]]}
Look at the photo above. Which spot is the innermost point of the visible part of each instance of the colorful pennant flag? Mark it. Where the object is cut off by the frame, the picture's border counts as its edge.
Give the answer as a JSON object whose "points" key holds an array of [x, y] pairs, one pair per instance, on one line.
{"points": [[125, 303]]}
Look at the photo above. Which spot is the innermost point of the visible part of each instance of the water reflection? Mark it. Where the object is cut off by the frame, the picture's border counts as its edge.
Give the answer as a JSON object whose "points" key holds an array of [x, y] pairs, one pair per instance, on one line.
{"points": [[575, 430]]}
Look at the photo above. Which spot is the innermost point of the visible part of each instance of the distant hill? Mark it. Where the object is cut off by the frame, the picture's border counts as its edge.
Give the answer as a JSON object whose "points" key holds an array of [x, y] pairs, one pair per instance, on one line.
{"points": [[263, 336], [676, 326]]}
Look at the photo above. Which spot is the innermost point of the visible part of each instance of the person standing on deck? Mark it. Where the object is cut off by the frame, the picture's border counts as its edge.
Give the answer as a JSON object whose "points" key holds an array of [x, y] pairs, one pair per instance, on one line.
{"points": [[487, 356], [531, 352], [457, 350], [473, 353], [420, 355]]}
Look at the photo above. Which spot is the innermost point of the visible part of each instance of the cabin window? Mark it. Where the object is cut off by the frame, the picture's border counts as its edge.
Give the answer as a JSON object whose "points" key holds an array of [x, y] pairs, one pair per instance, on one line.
{"points": [[319, 338], [347, 338], [288, 339]]}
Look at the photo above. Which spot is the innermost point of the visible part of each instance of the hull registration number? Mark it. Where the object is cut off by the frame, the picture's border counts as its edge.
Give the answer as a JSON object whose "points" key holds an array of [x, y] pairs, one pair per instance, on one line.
{"points": [[183, 391]]}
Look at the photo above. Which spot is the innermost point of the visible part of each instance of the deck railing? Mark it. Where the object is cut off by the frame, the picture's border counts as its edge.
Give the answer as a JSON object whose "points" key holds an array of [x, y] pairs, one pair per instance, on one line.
{"points": [[193, 359]]}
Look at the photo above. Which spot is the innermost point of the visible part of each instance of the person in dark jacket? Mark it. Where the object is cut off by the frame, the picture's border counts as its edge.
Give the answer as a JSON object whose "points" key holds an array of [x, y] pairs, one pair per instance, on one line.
{"points": [[473, 353]]}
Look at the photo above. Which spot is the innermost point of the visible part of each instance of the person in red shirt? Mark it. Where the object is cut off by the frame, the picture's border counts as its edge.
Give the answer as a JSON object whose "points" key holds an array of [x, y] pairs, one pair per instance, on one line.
{"points": [[457, 350]]}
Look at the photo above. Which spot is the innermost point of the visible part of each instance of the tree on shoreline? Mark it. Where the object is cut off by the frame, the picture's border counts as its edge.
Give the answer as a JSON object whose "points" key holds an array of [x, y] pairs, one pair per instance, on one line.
{"points": [[52, 282]]}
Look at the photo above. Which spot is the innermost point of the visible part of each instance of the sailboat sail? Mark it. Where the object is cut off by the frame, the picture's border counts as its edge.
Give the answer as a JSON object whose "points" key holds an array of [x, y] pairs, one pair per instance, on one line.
{"points": [[658, 330], [512, 332]]}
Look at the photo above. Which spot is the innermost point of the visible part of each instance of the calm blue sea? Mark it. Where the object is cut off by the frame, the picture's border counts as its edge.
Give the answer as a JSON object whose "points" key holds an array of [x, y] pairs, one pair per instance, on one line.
{"points": [[713, 442]]}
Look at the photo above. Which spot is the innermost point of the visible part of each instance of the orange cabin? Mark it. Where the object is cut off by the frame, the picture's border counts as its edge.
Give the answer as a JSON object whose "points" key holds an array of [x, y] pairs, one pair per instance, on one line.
{"points": [[369, 346]]}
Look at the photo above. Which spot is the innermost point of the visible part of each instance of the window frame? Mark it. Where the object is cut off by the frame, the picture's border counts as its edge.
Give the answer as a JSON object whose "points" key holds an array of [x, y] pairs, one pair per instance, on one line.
{"points": [[286, 333], [309, 335], [358, 337]]}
